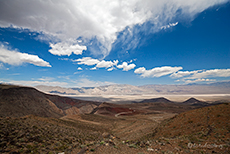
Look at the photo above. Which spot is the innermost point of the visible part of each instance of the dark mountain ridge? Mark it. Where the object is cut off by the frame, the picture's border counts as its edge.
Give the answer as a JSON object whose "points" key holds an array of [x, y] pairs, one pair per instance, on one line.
{"points": [[195, 102], [18, 101], [156, 100]]}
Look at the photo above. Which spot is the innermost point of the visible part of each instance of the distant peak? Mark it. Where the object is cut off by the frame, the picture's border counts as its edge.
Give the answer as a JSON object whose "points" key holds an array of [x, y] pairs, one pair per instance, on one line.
{"points": [[192, 100], [156, 100]]}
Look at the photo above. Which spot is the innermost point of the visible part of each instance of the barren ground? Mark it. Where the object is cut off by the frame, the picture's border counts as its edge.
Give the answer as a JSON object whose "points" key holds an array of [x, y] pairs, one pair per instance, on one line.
{"points": [[124, 134]]}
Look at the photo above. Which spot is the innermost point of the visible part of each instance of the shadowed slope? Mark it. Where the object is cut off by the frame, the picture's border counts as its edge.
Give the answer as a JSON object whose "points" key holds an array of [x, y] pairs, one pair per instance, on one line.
{"points": [[20, 101]]}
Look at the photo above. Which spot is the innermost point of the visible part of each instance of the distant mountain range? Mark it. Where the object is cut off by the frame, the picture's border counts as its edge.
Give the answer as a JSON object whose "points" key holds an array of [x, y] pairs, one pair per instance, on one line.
{"points": [[20, 101], [124, 89]]}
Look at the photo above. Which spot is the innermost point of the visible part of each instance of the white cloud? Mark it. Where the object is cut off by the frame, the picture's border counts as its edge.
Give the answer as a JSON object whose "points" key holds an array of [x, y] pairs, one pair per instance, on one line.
{"points": [[200, 80], [106, 64], [87, 61], [200, 75], [99, 64], [140, 70], [64, 48], [79, 68], [169, 25], [110, 69], [95, 19], [157, 71], [211, 73], [126, 66], [181, 74], [94, 68], [14, 57]]}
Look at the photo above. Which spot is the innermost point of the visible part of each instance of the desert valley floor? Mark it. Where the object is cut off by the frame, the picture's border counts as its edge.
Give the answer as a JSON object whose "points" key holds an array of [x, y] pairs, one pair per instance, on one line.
{"points": [[35, 122]]}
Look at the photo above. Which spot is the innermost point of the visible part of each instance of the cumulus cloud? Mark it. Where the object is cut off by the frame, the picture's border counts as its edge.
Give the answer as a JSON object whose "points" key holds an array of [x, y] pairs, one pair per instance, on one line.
{"points": [[181, 74], [87, 61], [211, 73], [106, 64], [95, 20], [14, 57], [94, 68], [200, 80], [64, 48], [200, 75], [99, 64], [79, 68], [140, 70], [126, 67], [157, 71], [110, 69]]}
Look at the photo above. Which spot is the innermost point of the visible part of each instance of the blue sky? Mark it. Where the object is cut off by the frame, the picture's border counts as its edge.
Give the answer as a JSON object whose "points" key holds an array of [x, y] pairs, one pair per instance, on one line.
{"points": [[93, 43]]}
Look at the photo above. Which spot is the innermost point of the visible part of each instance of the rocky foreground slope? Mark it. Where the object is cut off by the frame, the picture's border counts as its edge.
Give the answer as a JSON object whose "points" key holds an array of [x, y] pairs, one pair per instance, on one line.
{"points": [[32, 134], [204, 130]]}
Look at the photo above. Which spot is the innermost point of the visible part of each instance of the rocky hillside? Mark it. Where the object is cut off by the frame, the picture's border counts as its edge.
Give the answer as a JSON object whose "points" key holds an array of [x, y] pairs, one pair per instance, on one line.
{"points": [[204, 130], [32, 134], [205, 123], [18, 101]]}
